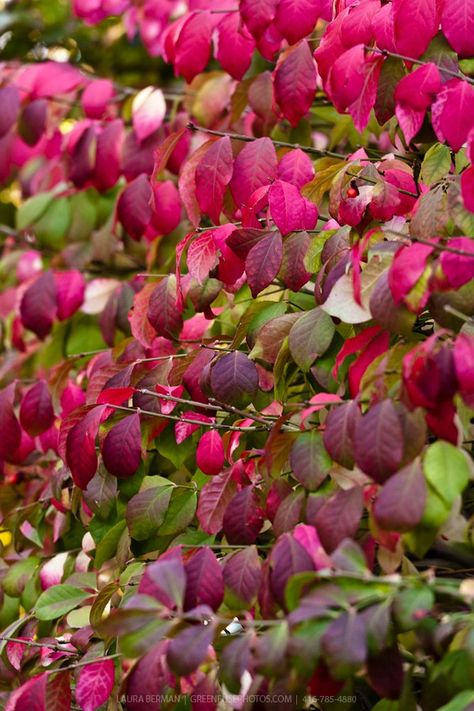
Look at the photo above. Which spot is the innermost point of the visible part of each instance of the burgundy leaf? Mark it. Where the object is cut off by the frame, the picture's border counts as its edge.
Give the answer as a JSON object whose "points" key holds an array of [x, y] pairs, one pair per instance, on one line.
{"points": [[33, 121], [289, 512], [165, 580], [38, 305], [30, 696], [70, 288], [9, 426], [295, 82], [149, 677], [202, 256], [189, 648], [204, 580], [263, 262], [213, 500], [242, 577], [339, 517], [134, 207], [234, 378], [163, 312], [379, 442], [121, 449], [36, 411], [401, 503], [58, 691], [213, 174], [243, 517], [288, 557], [81, 456], [385, 672]]}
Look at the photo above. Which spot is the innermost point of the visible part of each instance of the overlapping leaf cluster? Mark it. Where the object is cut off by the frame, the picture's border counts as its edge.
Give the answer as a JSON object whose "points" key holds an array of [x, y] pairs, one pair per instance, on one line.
{"points": [[237, 362]]}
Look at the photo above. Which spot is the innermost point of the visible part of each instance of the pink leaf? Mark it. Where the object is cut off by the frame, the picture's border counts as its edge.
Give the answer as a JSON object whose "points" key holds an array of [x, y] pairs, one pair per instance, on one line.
{"points": [[457, 23], [289, 209], [296, 167], [464, 365], [467, 188], [256, 165], [295, 82], [10, 103], [296, 18], [452, 113], [122, 449], [183, 430], [193, 46], [95, 684], [457, 268], [166, 207], [52, 571], [213, 174], [234, 47], [96, 97], [210, 453], [407, 267], [204, 580], [165, 580], [263, 262], [309, 539], [288, 557], [415, 24], [360, 109], [36, 411], [258, 14], [30, 696], [148, 112], [202, 256], [70, 288]]}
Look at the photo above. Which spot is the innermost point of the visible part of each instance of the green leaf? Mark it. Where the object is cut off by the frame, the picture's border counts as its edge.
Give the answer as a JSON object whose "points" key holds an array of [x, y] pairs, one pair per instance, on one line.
{"points": [[32, 209], [411, 605], [107, 547], [52, 227], [447, 470], [461, 702], [146, 511], [58, 601], [18, 575], [310, 337], [180, 512], [436, 163]]}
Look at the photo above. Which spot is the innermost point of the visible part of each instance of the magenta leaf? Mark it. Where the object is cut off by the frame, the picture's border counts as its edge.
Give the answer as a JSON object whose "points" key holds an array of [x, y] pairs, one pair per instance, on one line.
{"points": [[457, 23], [243, 517], [234, 378], [193, 45], [296, 18], [70, 288], [204, 580], [258, 14], [452, 112], [414, 25], [234, 46], [288, 557], [148, 112], [242, 577], [134, 207], [189, 648], [30, 696], [166, 207], [263, 262], [121, 449], [36, 411], [10, 103], [9, 425], [202, 256], [163, 312], [210, 453], [213, 174], [95, 684], [290, 211], [96, 96]]}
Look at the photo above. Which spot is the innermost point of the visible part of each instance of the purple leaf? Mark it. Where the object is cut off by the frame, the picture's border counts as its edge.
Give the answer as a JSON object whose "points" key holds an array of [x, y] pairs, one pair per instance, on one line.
{"points": [[134, 207], [242, 577], [344, 645], [378, 441], [9, 425], [339, 517], [243, 517], [163, 313], [288, 557], [309, 460], [39, 305], [263, 262], [401, 503], [204, 580], [234, 378], [81, 456], [165, 580], [10, 103], [149, 677], [121, 449], [213, 500], [189, 648]]}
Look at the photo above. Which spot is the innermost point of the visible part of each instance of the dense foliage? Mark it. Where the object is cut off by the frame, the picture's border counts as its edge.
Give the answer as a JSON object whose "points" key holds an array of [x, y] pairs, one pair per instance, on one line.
{"points": [[237, 355]]}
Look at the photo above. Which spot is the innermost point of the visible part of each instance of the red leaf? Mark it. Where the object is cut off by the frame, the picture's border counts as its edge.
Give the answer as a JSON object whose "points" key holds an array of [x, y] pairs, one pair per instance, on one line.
{"points": [[193, 46], [81, 456], [210, 453], [407, 267], [36, 411], [121, 449], [213, 500], [263, 262], [415, 24], [204, 580], [95, 684], [255, 166], [243, 517], [202, 256], [379, 344], [141, 327], [213, 174], [163, 313], [149, 677], [457, 23], [355, 344], [58, 691], [295, 82], [296, 18], [38, 306], [378, 441], [289, 209], [30, 696]]}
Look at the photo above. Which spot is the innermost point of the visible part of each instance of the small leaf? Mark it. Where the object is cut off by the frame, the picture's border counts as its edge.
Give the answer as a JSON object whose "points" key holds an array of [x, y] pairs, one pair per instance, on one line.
{"points": [[339, 517], [204, 580], [36, 411], [263, 262], [243, 517], [213, 500]]}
